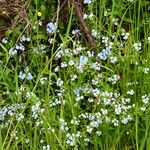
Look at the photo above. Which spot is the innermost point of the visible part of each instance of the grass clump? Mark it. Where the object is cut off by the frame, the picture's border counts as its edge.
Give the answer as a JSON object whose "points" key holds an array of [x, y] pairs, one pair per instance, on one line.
{"points": [[58, 91]]}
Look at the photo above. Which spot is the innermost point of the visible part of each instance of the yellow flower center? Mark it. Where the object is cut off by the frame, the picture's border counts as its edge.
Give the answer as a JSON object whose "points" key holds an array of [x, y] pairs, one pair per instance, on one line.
{"points": [[39, 14]]}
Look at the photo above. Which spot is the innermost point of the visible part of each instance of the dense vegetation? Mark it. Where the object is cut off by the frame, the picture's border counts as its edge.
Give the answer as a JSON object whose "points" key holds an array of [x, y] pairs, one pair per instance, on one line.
{"points": [[75, 75]]}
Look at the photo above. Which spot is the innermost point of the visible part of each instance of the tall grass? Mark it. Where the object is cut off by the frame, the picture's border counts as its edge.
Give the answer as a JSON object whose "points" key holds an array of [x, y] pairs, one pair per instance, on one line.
{"points": [[56, 94]]}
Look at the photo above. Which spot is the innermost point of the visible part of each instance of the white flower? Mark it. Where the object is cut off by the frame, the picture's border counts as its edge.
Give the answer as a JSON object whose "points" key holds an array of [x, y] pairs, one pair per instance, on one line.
{"points": [[146, 70], [98, 133], [87, 140], [131, 92], [90, 15], [113, 59], [94, 124], [87, 1], [75, 31], [143, 108], [47, 147], [89, 129], [19, 117], [71, 63], [4, 40], [59, 82], [85, 16], [118, 109], [42, 80], [63, 64], [74, 77], [125, 120], [105, 13], [145, 99], [22, 75], [51, 27], [56, 69], [104, 111], [27, 141], [12, 51], [137, 46], [115, 122], [29, 76]]}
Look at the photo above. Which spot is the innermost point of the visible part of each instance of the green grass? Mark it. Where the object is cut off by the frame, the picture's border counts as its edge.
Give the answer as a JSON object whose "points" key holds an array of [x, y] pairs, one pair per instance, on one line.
{"points": [[60, 95]]}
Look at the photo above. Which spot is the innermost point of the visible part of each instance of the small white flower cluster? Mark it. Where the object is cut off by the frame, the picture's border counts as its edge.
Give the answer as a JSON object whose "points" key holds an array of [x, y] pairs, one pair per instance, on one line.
{"points": [[114, 79], [36, 110], [75, 121], [59, 82], [131, 83], [106, 13], [130, 92], [62, 53], [125, 100], [57, 102], [71, 63], [63, 125], [95, 34], [78, 98], [105, 40], [51, 27], [87, 1], [14, 135], [95, 120], [95, 92], [115, 21], [126, 119], [115, 122], [19, 117], [95, 81], [83, 60], [4, 40], [11, 111], [137, 46], [25, 39], [3, 113], [43, 48], [71, 138], [123, 108], [113, 59], [17, 48], [146, 70], [74, 77], [46, 147], [96, 66], [88, 16], [90, 54], [77, 50], [26, 75], [118, 109], [64, 64], [145, 99], [75, 31], [125, 34], [104, 54], [43, 80], [30, 94], [89, 129], [51, 40]]}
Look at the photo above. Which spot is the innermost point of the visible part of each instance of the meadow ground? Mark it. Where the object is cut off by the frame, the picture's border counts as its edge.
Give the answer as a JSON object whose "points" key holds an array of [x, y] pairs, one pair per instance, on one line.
{"points": [[76, 75]]}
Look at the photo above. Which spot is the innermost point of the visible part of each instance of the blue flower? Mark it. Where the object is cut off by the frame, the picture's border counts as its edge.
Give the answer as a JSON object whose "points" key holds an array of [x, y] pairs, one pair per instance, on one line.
{"points": [[51, 27]]}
